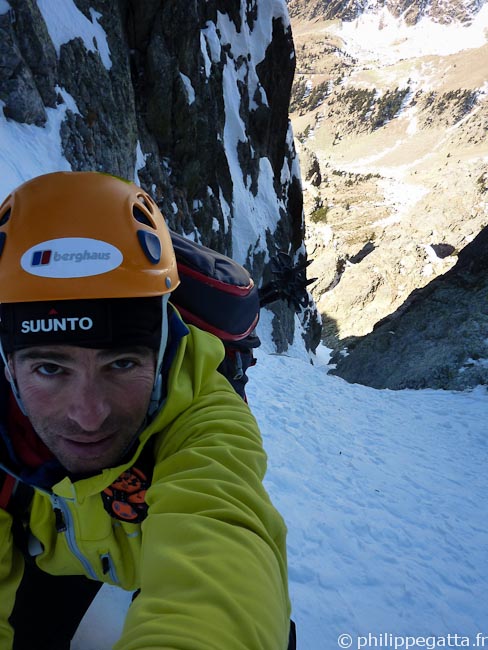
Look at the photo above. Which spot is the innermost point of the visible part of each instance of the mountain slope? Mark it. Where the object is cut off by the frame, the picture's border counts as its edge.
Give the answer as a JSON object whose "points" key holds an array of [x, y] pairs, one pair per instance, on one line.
{"points": [[391, 121], [438, 336], [441, 11]]}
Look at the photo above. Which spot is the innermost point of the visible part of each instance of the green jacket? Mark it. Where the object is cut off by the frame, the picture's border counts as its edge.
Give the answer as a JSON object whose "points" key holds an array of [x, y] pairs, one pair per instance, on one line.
{"points": [[209, 557]]}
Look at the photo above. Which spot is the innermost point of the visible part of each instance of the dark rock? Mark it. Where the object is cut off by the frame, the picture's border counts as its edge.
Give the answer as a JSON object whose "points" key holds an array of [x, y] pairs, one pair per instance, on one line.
{"points": [[443, 250], [18, 90], [368, 248], [37, 50], [437, 339], [310, 166], [103, 135]]}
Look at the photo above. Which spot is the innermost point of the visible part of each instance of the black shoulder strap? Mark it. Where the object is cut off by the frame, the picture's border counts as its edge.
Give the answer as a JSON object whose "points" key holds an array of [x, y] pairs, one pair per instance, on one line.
{"points": [[20, 500], [18, 506]]}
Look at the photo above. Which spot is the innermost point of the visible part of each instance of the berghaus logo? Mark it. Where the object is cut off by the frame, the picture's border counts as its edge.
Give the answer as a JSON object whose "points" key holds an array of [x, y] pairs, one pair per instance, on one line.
{"points": [[40, 258], [71, 257]]}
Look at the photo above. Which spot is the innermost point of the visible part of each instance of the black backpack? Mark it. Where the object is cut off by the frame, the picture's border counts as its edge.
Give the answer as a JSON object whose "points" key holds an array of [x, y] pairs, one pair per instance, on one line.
{"points": [[218, 295]]}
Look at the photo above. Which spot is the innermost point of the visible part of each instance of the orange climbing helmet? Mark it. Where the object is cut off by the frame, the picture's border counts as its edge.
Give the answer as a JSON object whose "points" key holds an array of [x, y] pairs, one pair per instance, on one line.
{"points": [[83, 235], [85, 259]]}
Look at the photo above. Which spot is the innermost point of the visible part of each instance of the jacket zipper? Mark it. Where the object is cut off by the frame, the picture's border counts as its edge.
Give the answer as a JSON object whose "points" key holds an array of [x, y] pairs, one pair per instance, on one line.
{"points": [[64, 524]]}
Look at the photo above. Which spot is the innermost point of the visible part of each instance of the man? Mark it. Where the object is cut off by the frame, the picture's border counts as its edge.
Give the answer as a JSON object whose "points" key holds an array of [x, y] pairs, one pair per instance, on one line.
{"points": [[146, 466]]}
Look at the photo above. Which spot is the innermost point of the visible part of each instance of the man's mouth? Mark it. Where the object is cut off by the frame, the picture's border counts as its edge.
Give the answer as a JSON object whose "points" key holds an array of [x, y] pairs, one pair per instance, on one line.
{"points": [[89, 441], [89, 445]]}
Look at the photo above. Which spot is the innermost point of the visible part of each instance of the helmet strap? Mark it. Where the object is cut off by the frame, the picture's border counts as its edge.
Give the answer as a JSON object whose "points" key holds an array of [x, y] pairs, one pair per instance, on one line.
{"points": [[11, 379], [158, 379]]}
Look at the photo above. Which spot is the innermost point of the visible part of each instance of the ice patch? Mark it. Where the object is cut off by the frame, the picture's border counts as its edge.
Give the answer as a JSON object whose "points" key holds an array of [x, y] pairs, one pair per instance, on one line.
{"points": [[37, 149], [401, 197], [210, 40], [140, 162], [190, 92], [308, 88], [66, 22]]}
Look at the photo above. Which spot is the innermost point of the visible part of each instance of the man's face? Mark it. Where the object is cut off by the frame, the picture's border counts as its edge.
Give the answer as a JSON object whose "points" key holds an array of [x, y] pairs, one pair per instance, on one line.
{"points": [[86, 405]]}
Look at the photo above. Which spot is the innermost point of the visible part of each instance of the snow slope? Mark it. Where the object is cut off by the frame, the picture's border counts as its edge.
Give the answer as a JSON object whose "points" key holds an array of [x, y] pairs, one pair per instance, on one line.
{"points": [[384, 494], [381, 36]]}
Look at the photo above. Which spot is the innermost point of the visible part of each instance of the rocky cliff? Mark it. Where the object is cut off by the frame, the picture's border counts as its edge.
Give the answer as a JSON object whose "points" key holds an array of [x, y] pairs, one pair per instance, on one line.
{"points": [[437, 338], [189, 98]]}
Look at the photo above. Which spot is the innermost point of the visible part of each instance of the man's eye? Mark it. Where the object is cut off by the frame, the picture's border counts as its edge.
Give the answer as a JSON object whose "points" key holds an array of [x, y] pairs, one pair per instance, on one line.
{"points": [[123, 364], [49, 369]]}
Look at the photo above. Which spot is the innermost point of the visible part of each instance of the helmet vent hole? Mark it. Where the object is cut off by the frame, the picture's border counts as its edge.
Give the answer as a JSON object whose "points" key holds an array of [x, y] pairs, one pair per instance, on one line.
{"points": [[146, 202], [140, 216], [5, 217]]}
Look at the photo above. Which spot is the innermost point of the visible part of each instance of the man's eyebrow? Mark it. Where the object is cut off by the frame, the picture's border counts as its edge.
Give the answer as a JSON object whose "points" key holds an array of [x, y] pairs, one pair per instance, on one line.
{"points": [[35, 354], [140, 350]]}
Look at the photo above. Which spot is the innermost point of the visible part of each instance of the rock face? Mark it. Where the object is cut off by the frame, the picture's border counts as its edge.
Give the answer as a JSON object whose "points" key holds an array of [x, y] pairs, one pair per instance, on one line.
{"points": [[437, 339], [191, 98]]}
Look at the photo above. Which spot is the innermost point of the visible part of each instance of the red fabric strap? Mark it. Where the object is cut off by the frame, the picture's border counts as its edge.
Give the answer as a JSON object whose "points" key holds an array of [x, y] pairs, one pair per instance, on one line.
{"points": [[6, 491], [30, 449]]}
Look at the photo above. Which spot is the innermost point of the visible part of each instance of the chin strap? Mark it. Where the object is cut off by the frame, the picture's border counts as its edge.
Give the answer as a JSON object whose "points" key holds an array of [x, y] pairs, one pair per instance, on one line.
{"points": [[158, 381], [11, 380]]}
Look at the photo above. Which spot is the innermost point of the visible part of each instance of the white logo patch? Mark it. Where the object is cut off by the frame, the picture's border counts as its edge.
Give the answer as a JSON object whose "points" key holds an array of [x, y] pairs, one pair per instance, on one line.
{"points": [[56, 325], [71, 257]]}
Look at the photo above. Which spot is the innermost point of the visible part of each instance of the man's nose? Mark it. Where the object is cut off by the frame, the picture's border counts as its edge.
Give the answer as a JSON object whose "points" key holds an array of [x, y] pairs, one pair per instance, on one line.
{"points": [[89, 407]]}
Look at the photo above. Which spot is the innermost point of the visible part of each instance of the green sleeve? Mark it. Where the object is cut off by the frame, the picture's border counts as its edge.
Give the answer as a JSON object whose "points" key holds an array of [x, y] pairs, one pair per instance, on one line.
{"points": [[213, 565], [11, 568]]}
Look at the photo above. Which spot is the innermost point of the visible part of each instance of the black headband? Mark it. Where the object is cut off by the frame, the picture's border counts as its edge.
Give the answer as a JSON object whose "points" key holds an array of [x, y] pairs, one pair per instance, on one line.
{"points": [[97, 323]]}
